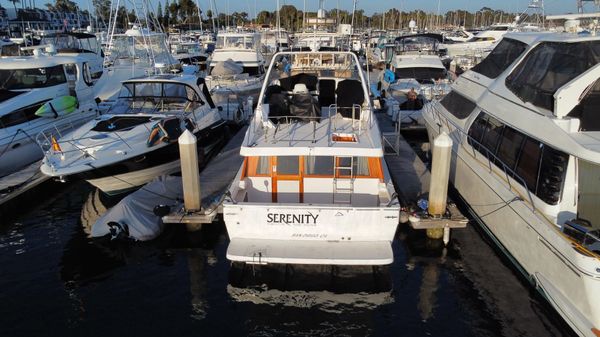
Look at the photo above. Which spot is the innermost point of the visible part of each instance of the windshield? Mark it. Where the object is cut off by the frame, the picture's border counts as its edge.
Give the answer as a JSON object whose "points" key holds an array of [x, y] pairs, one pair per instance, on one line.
{"points": [[421, 74], [548, 67], [505, 53], [241, 42], [14, 79], [158, 96], [71, 43]]}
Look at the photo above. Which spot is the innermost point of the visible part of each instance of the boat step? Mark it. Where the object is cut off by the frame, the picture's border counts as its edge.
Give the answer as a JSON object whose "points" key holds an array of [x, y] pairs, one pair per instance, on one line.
{"points": [[264, 251]]}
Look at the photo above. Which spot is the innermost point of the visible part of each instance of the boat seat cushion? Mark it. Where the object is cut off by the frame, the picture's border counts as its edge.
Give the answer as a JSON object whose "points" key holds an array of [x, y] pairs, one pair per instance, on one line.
{"points": [[288, 83], [349, 93], [326, 92], [304, 105]]}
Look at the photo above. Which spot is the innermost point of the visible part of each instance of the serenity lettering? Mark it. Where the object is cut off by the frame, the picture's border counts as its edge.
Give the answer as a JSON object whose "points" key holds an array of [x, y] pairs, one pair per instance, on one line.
{"points": [[292, 218]]}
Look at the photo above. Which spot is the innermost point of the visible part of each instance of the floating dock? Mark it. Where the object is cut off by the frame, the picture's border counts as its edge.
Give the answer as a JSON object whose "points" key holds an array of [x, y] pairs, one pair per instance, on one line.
{"points": [[411, 176], [215, 180]]}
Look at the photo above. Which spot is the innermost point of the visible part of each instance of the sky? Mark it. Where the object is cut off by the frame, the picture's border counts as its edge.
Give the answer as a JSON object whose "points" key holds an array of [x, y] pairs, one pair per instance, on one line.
{"points": [[370, 6]]}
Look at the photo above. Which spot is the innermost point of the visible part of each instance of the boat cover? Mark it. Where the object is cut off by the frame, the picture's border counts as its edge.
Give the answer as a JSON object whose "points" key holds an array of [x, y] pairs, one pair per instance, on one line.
{"points": [[135, 213], [227, 67]]}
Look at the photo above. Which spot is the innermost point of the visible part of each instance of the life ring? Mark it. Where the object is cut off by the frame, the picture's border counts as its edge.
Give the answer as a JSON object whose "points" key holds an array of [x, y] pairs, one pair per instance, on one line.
{"points": [[316, 62]]}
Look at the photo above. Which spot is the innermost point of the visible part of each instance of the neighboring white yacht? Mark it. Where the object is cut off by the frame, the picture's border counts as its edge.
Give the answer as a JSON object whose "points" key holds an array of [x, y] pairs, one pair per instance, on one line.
{"points": [[314, 187], [137, 139], [137, 52], [47, 90], [188, 51], [236, 67], [273, 41], [483, 42], [526, 158], [417, 69]]}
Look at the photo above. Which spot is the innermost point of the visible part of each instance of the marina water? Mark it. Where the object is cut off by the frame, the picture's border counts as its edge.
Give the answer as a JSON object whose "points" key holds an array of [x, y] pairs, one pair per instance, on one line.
{"points": [[57, 282]]}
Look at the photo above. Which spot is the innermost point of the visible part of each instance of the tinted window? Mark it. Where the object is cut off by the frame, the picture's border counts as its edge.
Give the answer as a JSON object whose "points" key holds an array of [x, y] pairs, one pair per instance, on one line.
{"points": [[549, 66], [477, 130], [12, 79], [263, 166], [360, 166], [491, 137], [505, 53], [287, 165], [529, 163], [318, 165], [541, 167], [510, 146], [20, 116], [459, 106]]}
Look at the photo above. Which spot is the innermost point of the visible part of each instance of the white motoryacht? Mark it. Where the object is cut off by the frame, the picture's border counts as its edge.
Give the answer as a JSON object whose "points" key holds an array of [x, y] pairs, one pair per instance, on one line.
{"points": [[47, 90], [137, 52], [236, 67], [137, 139], [418, 69], [483, 42], [273, 41], [526, 159], [314, 187], [188, 51]]}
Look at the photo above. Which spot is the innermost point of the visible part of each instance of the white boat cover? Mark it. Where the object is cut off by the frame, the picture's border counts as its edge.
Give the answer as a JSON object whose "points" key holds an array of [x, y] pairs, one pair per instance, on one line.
{"points": [[227, 67], [135, 211]]}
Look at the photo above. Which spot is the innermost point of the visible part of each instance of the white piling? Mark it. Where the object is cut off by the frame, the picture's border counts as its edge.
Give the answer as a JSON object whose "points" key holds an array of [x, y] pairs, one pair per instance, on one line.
{"points": [[440, 173], [190, 173]]}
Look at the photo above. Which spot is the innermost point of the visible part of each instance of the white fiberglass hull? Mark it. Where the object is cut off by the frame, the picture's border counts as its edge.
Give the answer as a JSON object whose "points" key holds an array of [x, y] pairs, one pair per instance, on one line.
{"points": [[310, 234], [569, 279], [18, 146], [119, 183]]}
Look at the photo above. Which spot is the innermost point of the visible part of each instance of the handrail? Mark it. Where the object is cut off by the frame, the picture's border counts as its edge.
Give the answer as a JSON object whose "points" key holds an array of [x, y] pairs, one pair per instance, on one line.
{"points": [[493, 160]]}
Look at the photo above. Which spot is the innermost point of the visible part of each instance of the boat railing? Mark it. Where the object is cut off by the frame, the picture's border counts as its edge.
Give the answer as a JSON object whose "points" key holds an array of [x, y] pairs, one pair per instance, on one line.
{"points": [[459, 136], [51, 139], [356, 124]]}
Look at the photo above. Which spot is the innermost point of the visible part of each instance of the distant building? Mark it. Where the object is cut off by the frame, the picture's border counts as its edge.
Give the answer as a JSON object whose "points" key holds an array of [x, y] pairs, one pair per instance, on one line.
{"points": [[40, 21]]}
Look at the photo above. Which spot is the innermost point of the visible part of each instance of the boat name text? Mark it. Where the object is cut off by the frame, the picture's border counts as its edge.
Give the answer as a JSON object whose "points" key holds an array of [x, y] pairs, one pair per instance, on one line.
{"points": [[283, 218]]}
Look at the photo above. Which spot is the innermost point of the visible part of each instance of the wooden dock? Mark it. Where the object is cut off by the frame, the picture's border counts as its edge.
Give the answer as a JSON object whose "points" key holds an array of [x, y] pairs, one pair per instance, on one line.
{"points": [[411, 176], [215, 179]]}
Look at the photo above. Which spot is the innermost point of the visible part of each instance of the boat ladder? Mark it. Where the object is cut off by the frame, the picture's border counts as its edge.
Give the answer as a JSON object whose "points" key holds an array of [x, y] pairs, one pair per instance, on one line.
{"points": [[343, 179]]}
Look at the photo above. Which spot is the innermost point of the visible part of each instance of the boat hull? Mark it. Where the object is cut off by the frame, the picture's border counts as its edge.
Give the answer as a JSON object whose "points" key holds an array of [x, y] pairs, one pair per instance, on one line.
{"points": [[569, 279], [134, 172], [310, 234]]}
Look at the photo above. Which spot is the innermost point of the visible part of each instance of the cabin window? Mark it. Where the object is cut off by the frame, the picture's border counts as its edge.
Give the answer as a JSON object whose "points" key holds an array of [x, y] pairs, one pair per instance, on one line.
{"points": [[587, 111], [548, 67], [476, 131], [288, 165], [20, 116], [529, 162], [505, 53], [458, 105], [493, 130], [318, 165], [510, 146], [541, 167], [360, 166], [13, 79], [263, 165], [87, 76]]}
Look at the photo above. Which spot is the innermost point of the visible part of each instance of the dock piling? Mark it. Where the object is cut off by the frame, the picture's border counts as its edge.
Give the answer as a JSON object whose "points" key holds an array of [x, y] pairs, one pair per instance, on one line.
{"points": [[438, 187], [190, 173]]}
